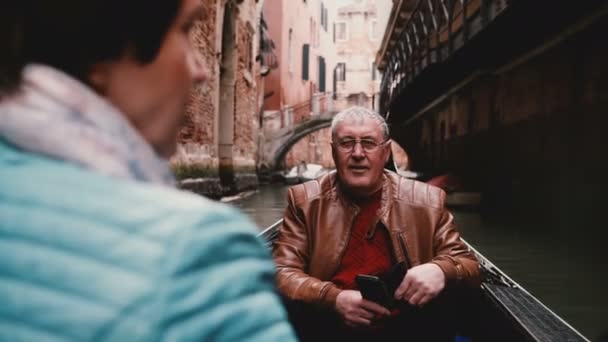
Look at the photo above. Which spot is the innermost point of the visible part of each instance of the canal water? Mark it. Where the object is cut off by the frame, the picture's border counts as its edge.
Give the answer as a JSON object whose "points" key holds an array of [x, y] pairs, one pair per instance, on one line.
{"points": [[565, 273]]}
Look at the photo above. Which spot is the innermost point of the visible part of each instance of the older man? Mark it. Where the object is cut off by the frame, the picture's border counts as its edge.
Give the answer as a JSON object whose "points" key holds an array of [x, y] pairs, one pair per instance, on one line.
{"points": [[362, 219]]}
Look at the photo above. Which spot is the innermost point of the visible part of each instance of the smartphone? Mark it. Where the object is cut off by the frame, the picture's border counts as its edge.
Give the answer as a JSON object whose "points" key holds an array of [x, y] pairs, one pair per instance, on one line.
{"points": [[374, 289]]}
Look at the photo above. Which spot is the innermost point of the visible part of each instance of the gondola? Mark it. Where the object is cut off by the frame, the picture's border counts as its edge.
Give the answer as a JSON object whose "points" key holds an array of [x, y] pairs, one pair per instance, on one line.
{"points": [[505, 311]]}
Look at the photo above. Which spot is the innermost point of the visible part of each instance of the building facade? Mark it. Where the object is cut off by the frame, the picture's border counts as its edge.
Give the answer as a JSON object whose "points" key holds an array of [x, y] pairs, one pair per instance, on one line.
{"points": [[359, 28], [220, 134], [301, 85], [326, 52]]}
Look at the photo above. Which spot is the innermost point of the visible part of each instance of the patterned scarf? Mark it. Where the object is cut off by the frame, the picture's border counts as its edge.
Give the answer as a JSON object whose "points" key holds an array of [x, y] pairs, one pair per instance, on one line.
{"points": [[59, 117]]}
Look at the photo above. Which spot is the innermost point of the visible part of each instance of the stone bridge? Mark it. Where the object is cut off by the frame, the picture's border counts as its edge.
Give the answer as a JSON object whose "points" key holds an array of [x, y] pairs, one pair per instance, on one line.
{"points": [[276, 144]]}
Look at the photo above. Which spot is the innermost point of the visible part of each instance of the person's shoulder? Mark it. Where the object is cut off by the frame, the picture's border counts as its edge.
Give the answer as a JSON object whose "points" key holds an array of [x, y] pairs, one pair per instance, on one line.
{"points": [[312, 189], [73, 191], [416, 193]]}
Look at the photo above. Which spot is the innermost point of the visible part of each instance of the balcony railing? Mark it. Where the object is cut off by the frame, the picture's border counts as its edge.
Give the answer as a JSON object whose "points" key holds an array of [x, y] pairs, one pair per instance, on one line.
{"points": [[318, 104], [322, 103], [434, 31]]}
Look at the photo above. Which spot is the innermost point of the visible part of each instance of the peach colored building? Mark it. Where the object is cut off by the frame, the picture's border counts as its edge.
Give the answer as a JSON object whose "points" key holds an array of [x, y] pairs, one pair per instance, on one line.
{"points": [[302, 34], [326, 51], [301, 86], [360, 26], [359, 29]]}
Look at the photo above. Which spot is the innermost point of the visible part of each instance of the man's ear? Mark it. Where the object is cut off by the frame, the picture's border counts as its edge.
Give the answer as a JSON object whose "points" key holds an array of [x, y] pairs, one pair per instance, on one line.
{"points": [[387, 152], [333, 153]]}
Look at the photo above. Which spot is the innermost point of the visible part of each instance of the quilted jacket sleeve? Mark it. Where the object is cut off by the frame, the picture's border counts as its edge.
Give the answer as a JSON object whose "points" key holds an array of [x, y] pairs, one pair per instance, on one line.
{"points": [[221, 286]]}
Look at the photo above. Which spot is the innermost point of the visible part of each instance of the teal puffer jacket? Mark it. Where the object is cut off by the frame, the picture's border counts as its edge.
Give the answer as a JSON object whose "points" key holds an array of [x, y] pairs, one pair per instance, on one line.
{"points": [[84, 257]]}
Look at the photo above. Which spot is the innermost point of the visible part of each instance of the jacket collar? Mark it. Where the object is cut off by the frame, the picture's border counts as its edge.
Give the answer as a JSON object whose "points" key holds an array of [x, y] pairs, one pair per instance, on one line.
{"points": [[388, 193], [57, 116]]}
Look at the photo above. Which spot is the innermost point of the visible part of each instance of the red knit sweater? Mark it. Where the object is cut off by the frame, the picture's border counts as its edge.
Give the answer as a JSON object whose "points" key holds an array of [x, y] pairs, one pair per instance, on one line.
{"points": [[364, 254]]}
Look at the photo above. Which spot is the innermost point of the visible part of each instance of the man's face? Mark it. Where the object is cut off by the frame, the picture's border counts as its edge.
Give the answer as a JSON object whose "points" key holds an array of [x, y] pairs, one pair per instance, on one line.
{"points": [[360, 167]]}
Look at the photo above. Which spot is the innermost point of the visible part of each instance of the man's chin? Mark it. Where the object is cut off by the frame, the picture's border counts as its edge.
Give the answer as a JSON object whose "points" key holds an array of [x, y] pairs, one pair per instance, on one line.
{"points": [[358, 172], [357, 180], [361, 186]]}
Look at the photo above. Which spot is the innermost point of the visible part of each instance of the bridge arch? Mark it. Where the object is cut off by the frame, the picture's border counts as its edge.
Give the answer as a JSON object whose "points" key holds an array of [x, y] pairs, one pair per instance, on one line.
{"points": [[277, 144], [288, 144]]}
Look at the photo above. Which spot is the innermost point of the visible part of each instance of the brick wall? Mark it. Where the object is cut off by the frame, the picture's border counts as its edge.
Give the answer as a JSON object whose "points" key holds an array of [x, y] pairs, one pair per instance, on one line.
{"points": [[198, 138], [246, 106]]}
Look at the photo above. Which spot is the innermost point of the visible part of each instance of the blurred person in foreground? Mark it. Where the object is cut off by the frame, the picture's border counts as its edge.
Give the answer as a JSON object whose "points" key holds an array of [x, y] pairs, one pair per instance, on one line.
{"points": [[363, 219], [95, 243]]}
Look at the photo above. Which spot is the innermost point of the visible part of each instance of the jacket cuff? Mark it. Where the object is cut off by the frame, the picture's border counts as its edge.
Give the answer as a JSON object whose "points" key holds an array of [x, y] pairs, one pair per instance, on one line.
{"points": [[329, 298], [448, 268]]}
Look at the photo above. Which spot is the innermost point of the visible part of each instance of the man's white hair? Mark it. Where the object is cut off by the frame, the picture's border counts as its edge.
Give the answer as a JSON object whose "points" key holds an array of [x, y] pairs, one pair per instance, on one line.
{"points": [[359, 113]]}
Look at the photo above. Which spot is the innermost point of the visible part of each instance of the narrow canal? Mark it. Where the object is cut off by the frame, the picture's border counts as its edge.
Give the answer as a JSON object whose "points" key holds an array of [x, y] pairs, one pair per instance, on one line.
{"points": [[565, 273]]}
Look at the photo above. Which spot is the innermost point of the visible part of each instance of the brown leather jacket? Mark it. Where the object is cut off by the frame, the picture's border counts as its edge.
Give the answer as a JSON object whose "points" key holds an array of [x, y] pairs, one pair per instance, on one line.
{"points": [[317, 225]]}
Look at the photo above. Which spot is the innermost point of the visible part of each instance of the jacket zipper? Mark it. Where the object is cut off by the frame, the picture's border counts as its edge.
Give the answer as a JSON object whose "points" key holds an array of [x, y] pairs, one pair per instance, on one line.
{"points": [[372, 230], [350, 229], [408, 261]]}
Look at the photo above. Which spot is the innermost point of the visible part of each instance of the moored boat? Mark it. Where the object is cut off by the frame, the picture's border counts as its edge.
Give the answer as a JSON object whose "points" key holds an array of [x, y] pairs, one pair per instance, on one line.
{"points": [[303, 173]]}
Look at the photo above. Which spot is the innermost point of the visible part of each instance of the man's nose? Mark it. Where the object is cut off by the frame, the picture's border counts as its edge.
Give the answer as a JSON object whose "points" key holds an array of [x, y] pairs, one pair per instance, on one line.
{"points": [[198, 68], [358, 151]]}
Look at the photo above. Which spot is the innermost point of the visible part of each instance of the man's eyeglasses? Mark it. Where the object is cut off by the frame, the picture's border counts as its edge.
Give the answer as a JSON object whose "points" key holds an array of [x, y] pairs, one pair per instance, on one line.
{"points": [[348, 145]]}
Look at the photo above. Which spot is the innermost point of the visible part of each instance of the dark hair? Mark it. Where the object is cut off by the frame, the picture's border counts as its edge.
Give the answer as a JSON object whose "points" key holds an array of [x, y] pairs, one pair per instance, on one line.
{"points": [[72, 35]]}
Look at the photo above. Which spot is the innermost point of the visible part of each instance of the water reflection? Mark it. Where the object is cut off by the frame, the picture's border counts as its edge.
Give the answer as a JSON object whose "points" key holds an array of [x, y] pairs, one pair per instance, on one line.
{"points": [[559, 270], [562, 268], [266, 206]]}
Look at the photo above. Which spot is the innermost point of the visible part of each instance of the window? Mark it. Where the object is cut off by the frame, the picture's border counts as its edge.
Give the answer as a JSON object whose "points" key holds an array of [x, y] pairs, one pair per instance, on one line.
{"points": [[341, 34], [334, 32], [374, 71], [341, 72], [305, 61], [248, 53], [373, 30], [290, 51], [321, 74], [314, 33], [322, 15]]}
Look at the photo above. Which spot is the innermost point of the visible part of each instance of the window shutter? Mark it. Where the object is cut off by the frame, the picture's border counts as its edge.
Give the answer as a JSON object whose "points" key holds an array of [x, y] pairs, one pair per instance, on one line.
{"points": [[334, 32], [341, 72], [322, 17], [321, 74], [373, 71], [305, 61]]}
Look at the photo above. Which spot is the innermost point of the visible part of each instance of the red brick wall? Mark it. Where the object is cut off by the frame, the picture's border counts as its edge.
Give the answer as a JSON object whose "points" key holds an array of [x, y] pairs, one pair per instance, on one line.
{"points": [[198, 138], [199, 125], [246, 106], [273, 14]]}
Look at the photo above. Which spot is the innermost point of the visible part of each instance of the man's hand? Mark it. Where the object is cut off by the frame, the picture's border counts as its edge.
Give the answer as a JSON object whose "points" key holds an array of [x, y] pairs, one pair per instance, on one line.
{"points": [[421, 284], [356, 311]]}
